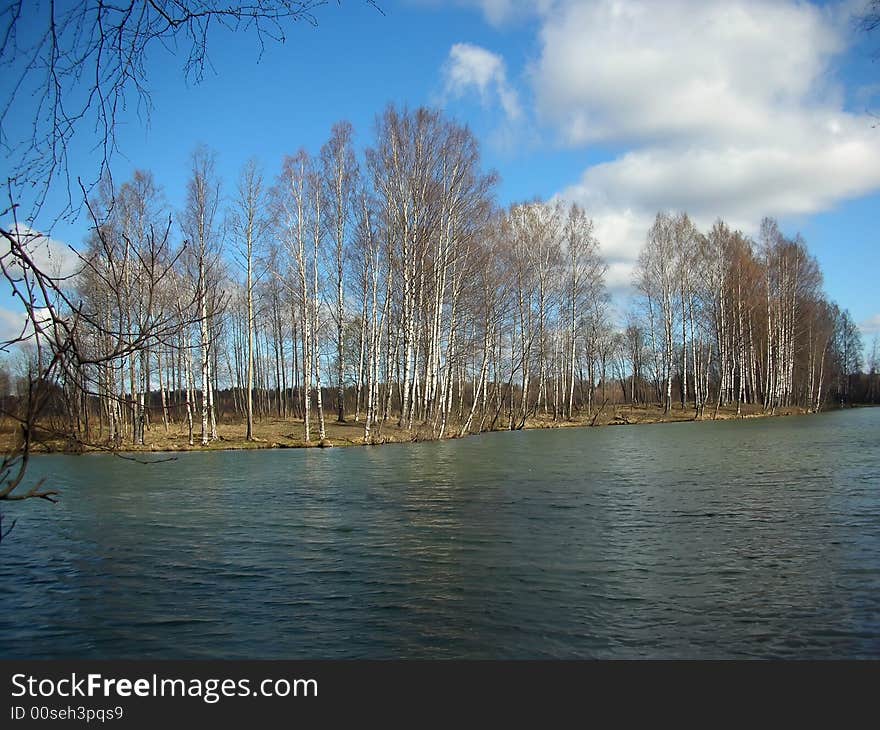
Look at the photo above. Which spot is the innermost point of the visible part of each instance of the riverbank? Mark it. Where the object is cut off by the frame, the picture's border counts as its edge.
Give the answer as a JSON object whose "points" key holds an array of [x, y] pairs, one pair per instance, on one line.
{"points": [[276, 433]]}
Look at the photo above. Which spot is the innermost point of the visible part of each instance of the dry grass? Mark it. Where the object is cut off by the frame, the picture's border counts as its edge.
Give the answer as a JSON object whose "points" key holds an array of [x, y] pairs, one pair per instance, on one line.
{"points": [[288, 433]]}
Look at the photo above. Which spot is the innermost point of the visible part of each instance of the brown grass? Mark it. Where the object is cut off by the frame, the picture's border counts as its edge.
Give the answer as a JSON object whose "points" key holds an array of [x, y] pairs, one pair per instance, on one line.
{"points": [[288, 433]]}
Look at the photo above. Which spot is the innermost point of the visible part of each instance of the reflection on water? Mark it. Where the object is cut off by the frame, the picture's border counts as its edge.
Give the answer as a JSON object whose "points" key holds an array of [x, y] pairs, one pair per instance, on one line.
{"points": [[731, 539]]}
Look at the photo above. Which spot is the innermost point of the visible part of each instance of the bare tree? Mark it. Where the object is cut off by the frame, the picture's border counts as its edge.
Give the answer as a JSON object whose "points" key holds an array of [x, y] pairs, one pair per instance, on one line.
{"points": [[250, 224], [655, 281], [339, 172], [290, 201], [73, 337], [73, 68], [199, 218]]}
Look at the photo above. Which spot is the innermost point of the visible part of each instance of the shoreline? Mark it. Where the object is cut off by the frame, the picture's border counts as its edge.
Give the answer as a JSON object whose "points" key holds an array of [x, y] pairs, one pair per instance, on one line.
{"points": [[170, 443]]}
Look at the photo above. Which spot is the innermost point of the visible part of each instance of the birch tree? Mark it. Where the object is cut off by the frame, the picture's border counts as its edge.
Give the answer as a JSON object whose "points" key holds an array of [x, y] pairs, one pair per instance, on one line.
{"points": [[249, 223], [339, 172], [203, 199]]}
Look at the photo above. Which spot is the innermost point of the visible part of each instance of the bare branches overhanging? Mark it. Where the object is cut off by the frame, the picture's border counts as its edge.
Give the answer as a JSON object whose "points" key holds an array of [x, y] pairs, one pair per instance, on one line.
{"points": [[75, 67]]}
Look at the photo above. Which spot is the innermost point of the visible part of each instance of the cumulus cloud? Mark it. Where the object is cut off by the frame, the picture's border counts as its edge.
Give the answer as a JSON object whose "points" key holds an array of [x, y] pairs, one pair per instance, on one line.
{"points": [[498, 13], [738, 183], [718, 107], [871, 326], [16, 327], [692, 70], [470, 68], [12, 325], [51, 256]]}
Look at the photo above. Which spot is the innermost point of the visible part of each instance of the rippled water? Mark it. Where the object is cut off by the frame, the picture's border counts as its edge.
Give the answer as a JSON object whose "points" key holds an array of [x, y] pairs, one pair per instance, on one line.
{"points": [[758, 538]]}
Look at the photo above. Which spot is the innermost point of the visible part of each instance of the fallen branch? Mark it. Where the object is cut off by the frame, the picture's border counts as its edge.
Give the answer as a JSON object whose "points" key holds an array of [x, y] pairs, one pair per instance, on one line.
{"points": [[599, 413]]}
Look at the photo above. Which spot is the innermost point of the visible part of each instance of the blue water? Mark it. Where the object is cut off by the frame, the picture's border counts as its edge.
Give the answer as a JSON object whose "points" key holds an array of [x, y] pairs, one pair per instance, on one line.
{"points": [[756, 538]]}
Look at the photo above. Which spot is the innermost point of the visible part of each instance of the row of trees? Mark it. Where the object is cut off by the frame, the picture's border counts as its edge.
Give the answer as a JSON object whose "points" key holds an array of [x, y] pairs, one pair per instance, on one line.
{"points": [[735, 320], [391, 289]]}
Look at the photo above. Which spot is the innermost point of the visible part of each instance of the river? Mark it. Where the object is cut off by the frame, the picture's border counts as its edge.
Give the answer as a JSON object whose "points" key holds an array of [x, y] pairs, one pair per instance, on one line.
{"points": [[755, 538]]}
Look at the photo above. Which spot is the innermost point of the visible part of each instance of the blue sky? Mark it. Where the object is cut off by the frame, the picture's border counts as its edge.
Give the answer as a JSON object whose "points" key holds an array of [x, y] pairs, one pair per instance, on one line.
{"points": [[736, 109]]}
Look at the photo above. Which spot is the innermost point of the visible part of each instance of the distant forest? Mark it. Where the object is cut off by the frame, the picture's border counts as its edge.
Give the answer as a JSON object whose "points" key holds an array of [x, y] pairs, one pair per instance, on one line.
{"points": [[392, 288]]}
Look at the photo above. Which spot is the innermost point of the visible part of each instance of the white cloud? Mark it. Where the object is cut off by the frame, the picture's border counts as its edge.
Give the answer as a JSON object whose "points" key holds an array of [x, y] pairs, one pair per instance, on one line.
{"points": [[871, 326], [497, 12], [718, 107], [738, 183], [12, 325], [471, 68], [691, 69], [16, 326], [51, 256], [501, 12]]}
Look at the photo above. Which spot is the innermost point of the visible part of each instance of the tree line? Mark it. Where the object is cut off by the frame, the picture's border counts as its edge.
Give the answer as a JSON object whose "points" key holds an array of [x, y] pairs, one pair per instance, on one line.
{"points": [[390, 288]]}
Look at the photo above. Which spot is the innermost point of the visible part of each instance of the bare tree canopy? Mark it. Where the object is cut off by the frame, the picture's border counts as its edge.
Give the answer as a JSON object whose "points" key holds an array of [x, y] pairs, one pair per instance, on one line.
{"points": [[72, 66]]}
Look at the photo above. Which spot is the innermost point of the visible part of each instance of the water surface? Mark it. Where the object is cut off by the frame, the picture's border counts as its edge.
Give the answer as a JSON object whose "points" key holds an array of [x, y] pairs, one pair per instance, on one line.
{"points": [[757, 538]]}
